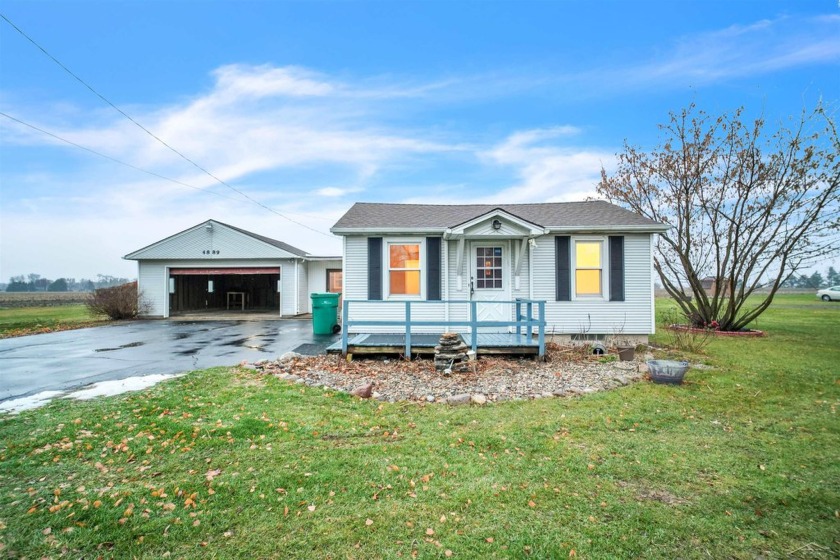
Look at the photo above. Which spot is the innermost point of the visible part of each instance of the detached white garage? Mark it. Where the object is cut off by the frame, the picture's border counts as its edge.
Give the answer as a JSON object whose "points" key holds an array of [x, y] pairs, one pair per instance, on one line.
{"points": [[216, 267]]}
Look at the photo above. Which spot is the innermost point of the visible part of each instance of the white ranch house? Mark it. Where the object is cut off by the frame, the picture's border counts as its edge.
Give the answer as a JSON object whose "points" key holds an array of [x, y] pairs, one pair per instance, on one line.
{"points": [[591, 262], [216, 267]]}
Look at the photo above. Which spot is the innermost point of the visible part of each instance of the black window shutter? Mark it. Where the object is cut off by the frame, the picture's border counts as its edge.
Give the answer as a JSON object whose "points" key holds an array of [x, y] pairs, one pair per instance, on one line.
{"points": [[616, 268], [433, 268], [374, 268], [563, 272]]}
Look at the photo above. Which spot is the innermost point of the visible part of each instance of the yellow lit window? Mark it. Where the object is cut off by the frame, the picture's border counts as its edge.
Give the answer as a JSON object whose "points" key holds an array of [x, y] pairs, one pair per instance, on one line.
{"points": [[588, 268], [404, 269]]}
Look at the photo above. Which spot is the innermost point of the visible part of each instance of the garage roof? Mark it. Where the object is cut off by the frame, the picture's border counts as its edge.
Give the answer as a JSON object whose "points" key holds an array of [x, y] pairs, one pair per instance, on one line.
{"points": [[192, 242]]}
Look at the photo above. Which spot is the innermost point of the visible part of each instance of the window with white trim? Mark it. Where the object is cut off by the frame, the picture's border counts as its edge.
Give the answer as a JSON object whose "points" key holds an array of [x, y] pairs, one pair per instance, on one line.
{"points": [[404, 270], [488, 268], [589, 268]]}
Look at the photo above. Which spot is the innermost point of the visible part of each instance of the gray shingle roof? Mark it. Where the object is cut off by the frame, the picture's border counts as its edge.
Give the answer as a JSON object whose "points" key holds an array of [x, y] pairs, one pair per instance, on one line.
{"points": [[589, 214], [279, 244]]}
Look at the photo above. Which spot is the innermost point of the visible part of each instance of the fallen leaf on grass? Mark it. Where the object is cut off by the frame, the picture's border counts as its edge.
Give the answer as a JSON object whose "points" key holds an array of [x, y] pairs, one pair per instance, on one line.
{"points": [[368, 522], [311, 508]]}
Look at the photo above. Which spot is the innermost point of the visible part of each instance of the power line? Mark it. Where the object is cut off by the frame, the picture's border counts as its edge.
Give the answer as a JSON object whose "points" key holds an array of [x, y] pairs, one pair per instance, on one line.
{"points": [[150, 133], [115, 160]]}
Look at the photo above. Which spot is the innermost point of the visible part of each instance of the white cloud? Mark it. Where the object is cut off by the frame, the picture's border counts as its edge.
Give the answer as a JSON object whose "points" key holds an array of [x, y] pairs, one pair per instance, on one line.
{"points": [[547, 172], [736, 51]]}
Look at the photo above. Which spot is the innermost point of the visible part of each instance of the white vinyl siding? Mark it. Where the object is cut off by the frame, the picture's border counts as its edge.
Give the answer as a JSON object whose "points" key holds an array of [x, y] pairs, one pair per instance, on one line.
{"points": [[599, 316], [485, 229], [216, 243], [304, 301], [356, 288], [317, 278], [153, 284], [593, 316]]}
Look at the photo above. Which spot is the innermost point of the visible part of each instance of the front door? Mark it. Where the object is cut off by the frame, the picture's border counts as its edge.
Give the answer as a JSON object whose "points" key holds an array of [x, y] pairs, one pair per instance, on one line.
{"points": [[489, 277]]}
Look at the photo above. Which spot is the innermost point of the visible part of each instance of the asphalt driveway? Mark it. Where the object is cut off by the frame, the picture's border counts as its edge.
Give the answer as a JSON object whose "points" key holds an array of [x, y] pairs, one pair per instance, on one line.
{"points": [[65, 360]]}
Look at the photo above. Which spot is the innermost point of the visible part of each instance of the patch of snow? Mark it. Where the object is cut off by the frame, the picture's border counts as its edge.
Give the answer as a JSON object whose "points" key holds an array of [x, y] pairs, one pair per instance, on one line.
{"points": [[118, 386], [14, 406], [101, 389]]}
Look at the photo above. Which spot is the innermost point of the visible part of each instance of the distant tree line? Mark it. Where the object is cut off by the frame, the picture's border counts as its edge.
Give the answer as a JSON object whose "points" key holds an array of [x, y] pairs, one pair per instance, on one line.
{"points": [[815, 281], [37, 283]]}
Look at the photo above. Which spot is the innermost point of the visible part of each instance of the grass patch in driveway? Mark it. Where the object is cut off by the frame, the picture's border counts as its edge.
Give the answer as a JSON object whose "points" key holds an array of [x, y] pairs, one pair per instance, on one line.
{"points": [[739, 462]]}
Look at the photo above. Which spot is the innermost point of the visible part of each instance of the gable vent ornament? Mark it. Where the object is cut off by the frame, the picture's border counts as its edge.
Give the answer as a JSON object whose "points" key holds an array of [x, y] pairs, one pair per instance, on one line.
{"points": [[497, 225]]}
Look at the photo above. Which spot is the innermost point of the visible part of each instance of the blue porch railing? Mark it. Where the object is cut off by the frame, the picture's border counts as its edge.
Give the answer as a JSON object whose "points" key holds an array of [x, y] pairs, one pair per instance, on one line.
{"points": [[526, 320]]}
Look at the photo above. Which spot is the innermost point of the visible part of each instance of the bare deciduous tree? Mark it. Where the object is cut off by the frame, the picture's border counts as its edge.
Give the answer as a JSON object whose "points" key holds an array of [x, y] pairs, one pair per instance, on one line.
{"points": [[748, 206]]}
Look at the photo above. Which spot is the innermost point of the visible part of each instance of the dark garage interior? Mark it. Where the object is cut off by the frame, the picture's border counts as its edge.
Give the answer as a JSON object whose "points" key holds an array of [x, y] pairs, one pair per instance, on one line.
{"points": [[235, 289]]}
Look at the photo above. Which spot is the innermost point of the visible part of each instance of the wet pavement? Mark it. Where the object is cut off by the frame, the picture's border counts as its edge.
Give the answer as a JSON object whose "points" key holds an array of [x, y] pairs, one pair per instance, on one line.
{"points": [[64, 360]]}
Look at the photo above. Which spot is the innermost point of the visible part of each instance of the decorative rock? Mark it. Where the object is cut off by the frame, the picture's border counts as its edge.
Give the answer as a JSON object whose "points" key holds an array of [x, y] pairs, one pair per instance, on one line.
{"points": [[363, 392], [478, 398], [248, 366], [456, 400], [450, 353], [288, 357], [498, 380], [547, 394]]}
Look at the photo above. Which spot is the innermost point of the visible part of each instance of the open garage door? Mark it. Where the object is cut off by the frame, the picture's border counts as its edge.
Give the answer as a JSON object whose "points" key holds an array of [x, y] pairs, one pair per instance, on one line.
{"points": [[227, 290]]}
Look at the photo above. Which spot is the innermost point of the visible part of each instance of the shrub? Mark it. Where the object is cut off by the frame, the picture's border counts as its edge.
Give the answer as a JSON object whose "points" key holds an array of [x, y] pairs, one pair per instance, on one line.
{"points": [[687, 339], [118, 302]]}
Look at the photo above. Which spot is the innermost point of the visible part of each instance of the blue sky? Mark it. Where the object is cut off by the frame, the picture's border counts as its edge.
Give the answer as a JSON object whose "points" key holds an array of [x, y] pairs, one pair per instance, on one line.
{"points": [[310, 106]]}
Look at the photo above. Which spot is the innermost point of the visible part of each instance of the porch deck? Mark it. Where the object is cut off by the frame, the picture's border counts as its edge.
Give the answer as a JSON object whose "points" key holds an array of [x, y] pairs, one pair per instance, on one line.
{"points": [[520, 341], [424, 344]]}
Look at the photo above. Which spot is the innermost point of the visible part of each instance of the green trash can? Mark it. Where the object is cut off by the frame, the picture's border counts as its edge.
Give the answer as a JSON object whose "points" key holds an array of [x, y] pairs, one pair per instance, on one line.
{"points": [[325, 313]]}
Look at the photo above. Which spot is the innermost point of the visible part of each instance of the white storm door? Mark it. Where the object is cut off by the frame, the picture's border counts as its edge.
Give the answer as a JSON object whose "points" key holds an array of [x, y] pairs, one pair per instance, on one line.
{"points": [[490, 278]]}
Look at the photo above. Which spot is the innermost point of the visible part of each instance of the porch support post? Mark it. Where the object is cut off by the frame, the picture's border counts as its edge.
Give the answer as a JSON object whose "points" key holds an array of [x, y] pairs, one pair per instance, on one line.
{"points": [[523, 246], [541, 336], [460, 264], [518, 317], [530, 310], [345, 312], [408, 330]]}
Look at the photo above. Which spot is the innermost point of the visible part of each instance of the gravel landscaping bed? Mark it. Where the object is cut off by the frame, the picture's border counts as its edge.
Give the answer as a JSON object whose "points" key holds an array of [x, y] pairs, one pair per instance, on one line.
{"points": [[488, 379]]}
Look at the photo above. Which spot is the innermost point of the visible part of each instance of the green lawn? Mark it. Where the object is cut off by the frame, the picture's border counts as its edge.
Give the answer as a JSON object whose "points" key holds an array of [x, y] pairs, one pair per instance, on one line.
{"points": [[29, 320], [742, 461]]}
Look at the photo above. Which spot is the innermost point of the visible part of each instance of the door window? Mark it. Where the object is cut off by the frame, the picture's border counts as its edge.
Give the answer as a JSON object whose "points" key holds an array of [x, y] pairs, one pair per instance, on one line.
{"points": [[488, 268]]}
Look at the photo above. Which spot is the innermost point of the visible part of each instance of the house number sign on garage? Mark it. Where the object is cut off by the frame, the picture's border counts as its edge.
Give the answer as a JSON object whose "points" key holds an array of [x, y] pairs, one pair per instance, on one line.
{"points": [[209, 252]]}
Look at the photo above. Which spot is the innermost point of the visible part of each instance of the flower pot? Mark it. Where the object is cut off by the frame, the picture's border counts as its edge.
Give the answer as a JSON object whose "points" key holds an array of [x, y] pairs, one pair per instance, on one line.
{"points": [[627, 354], [667, 371]]}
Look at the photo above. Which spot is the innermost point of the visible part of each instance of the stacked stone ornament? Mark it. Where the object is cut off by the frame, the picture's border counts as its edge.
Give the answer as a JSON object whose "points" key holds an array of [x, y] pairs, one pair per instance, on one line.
{"points": [[451, 353]]}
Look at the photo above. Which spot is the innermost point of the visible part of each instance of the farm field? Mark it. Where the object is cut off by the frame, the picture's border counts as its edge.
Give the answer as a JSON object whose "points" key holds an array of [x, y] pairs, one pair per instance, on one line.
{"points": [[739, 462], [9, 300]]}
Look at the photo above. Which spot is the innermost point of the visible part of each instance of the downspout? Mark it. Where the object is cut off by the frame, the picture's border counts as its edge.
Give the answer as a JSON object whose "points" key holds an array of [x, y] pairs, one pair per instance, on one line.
{"points": [[652, 286], [297, 288]]}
